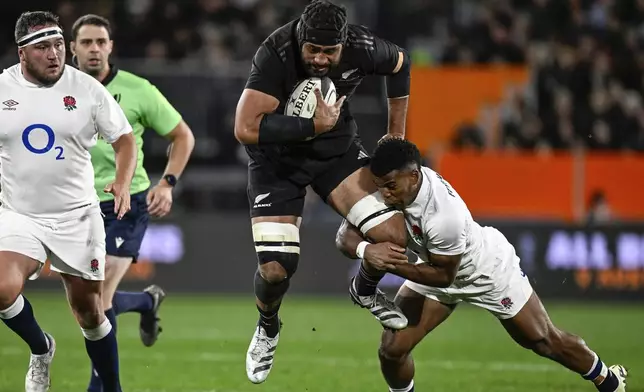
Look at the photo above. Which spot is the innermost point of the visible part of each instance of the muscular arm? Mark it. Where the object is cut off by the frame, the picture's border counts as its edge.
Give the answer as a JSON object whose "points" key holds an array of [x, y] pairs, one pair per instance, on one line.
{"points": [[398, 92], [252, 107], [255, 119], [182, 143], [439, 271], [397, 116], [125, 156]]}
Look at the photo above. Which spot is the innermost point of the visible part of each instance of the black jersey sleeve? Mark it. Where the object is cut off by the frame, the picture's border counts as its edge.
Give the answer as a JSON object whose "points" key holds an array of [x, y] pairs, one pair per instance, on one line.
{"points": [[383, 57], [267, 72]]}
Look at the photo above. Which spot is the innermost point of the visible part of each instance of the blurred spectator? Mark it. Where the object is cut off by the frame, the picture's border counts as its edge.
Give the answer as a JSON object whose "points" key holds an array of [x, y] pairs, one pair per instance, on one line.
{"points": [[599, 211]]}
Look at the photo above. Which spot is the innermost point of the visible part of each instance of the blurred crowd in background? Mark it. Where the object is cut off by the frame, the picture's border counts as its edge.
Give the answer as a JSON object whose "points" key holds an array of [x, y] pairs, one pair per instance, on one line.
{"points": [[586, 55], [585, 59]]}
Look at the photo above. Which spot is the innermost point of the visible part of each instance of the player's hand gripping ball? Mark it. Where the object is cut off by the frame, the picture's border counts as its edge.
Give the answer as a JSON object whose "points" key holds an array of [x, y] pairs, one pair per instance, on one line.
{"points": [[302, 102]]}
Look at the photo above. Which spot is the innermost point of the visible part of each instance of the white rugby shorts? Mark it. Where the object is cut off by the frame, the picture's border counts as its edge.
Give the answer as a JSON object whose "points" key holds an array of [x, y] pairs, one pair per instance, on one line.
{"points": [[74, 247], [503, 291]]}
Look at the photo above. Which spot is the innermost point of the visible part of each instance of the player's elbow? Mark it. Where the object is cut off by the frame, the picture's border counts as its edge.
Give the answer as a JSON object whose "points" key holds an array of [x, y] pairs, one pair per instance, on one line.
{"points": [[447, 281], [125, 142], [342, 240], [449, 276], [246, 133]]}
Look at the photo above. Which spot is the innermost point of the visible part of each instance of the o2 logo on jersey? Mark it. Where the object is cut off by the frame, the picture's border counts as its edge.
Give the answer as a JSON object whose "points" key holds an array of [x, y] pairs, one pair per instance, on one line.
{"points": [[51, 139]]}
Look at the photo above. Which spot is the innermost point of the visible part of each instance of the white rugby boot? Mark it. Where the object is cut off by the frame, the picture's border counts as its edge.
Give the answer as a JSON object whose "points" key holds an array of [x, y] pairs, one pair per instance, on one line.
{"points": [[260, 354], [385, 310], [620, 372], [38, 378]]}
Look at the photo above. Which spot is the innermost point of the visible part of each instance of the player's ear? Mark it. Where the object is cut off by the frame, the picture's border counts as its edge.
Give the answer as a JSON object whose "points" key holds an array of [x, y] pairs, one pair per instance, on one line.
{"points": [[416, 175], [21, 54], [72, 47], [110, 46]]}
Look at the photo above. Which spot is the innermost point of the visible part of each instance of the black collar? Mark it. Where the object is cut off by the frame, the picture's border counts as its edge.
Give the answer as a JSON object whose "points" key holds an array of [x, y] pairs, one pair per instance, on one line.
{"points": [[111, 75]]}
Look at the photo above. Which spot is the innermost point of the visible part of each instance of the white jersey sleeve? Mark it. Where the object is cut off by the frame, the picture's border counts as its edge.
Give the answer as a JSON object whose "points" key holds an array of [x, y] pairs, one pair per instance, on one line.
{"points": [[111, 122]]}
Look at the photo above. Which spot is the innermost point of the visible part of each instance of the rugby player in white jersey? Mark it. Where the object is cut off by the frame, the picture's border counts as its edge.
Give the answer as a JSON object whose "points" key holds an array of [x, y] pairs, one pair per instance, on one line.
{"points": [[51, 117], [458, 261]]}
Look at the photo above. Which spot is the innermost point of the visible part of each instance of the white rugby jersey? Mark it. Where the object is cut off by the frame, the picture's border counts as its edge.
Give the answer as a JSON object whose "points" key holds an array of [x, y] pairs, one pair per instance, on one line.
{"points": [[439, 222], [45, 135]]}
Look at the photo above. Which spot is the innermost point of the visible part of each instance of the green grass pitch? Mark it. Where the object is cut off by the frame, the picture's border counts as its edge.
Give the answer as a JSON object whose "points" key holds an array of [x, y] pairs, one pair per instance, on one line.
{"points": [[326, 345]]}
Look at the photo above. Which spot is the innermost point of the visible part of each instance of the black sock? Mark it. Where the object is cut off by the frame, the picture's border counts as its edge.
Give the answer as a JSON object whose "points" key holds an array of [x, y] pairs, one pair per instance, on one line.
{"points": [[102, 348], [19, 317], [366, 282], [95, 383], [609, 384], [598, 371], [270, 294], [270, 321], [139, 302]]}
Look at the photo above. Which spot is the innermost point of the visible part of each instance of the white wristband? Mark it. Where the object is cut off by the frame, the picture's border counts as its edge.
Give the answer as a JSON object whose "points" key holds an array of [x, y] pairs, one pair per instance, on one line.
{"points": [[360, 249]]}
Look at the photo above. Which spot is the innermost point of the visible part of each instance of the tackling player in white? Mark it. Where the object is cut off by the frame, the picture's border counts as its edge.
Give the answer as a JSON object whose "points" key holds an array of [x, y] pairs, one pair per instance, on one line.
{"points": [[49, 210], [458, 261]]}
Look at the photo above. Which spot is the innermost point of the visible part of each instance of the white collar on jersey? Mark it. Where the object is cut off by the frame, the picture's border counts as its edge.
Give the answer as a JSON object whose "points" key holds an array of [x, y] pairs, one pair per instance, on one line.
{"points": [[39, 36], [423, 192]]}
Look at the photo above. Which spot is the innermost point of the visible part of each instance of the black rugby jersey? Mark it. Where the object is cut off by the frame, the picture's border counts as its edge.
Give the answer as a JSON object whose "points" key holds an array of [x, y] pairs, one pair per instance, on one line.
{"points": [[277, 68]]}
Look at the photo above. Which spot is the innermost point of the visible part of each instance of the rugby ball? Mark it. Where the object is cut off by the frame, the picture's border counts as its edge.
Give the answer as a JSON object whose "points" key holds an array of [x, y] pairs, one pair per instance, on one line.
{"points": [[302, 101]]}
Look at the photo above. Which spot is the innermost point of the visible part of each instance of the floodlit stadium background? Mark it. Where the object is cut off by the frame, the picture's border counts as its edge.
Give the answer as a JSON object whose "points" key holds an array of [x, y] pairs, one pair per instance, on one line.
{"points": [[532, 109]]}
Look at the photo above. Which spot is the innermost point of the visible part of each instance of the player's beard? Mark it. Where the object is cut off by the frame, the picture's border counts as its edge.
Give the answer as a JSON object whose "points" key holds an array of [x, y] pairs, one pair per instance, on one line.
{"points": [[312, 70], [42, 76]]}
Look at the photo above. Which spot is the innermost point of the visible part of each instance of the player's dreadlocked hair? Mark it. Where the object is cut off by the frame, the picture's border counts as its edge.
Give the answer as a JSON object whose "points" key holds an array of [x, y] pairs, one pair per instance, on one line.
{"points": [[29, 20], [394, 154], [323, 23]]}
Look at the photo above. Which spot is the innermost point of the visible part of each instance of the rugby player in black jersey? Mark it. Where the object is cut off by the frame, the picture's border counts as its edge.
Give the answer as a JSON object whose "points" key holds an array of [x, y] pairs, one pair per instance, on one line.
{"points": [[289, 153]]}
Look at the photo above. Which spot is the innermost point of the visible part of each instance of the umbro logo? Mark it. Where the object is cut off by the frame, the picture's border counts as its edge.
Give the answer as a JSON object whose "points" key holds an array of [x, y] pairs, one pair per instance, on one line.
{"points": [[10, 103]]}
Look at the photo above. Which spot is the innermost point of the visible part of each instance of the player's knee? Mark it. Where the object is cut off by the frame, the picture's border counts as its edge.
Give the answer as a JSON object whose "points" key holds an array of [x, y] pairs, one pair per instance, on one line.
{"points": [[393, 352], [88, 309], [378, 221], [11, 284], [278, 250], [88, 317], [279, 269], [392, 349], [9, 292]]}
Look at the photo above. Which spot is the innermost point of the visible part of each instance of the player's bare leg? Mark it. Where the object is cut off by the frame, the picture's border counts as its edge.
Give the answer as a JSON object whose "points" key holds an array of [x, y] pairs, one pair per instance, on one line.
{"points": [[533, 329], [396, 362], [85, 300], [354, 199], [17, 314], [277, 244]]}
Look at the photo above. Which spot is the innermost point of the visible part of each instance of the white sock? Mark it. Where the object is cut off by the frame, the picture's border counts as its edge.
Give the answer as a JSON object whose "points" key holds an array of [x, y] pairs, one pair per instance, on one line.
{"points": [[598, 371], [13, 310], [99, 332], [406, 389]]}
